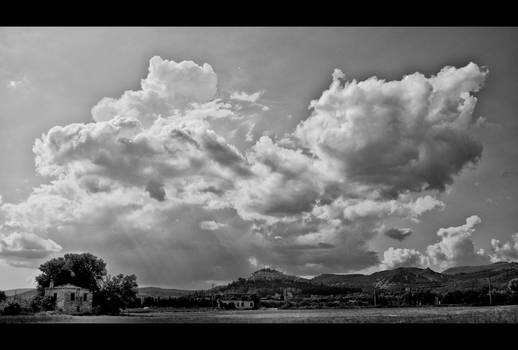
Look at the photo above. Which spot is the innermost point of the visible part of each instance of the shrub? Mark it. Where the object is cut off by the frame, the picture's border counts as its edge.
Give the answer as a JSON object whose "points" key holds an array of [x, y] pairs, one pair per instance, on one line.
{"points": [[43, 303], [12, 309], [513, 285]]}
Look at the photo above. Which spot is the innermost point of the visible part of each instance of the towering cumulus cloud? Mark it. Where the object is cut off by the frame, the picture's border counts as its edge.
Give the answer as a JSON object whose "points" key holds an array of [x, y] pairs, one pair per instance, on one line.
{"points": [[168, 85], [455, 248], [396, 136], [161, 185], [507, 251]]}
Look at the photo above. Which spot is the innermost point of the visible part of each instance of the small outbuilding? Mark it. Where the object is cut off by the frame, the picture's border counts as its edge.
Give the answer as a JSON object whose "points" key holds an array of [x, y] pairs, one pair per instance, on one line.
{"points": [[70, 299], [235, 301]]}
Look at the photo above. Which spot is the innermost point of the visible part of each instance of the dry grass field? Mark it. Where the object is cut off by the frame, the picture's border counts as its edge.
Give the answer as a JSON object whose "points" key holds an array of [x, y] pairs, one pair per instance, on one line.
{"points": [[461, 314]]}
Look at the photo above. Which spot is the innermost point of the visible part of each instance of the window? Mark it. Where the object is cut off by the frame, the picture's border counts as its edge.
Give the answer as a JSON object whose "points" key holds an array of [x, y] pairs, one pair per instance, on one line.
{"points": [[55, 296], [72, 296], [85, 297]]}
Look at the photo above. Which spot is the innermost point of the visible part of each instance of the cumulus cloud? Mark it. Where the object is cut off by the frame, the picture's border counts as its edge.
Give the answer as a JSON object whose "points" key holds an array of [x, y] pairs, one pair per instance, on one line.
{"points": [[161, 185], [400, 207], [455, 248], [403, 257], [243, 96], [17, 83], [399, 234], [18, 248], [211, 225], [253, 261], [410, 134], [507, 251], [105, 155], [168, 86]]}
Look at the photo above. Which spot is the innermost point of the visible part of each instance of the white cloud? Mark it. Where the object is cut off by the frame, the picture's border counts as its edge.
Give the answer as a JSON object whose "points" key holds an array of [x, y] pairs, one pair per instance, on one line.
{"points": [[168, 86], [148, 183], [253, 261], [211, 225], [403, 257], [401, 207], [243, 96], [456, 246], [17, 83], [19, 248], [397, 136], [507, 251]]}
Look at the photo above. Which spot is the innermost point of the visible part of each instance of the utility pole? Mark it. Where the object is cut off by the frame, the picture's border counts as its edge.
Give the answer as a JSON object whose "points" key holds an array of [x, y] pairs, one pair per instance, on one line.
{"points": [[212, 295], [489, 282], [376, 284]]}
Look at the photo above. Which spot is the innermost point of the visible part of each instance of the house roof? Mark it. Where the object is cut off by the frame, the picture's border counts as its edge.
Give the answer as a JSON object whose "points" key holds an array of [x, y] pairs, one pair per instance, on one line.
{"points": [[66, 286]]}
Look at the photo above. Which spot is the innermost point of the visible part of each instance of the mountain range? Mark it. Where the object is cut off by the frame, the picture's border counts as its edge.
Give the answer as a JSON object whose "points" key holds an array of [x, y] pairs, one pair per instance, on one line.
{"points": [[269, 281]]}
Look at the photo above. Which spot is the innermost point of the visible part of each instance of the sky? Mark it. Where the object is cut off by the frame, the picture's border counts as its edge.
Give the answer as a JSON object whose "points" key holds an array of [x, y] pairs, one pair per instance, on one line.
{"points": [[193, 156]]}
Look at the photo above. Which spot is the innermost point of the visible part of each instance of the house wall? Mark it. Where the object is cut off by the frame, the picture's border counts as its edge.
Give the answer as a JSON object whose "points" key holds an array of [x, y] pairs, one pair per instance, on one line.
{"points": [[64, 302], [240, 304]]}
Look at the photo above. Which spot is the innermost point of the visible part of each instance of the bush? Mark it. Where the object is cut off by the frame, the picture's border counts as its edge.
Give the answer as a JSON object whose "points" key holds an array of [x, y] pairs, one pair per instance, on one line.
{"points": [[12, 309], [513, 285], [43, 303]]}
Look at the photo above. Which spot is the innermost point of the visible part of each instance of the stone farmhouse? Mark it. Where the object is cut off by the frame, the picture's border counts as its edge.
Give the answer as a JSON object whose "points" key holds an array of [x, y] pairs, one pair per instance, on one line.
{"points": [[236, 301], [70, 299]]}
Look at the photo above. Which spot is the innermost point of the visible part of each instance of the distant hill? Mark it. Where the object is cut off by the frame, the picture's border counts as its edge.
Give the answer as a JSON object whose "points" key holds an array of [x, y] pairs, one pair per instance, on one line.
{"points": [[268, 274], [410, 277], [28, 293], [499, 266], [23, 296], [402, 277], [352, 280], [161, 292], [461, 278], [11, 292], [267, 282], [472, 277]]}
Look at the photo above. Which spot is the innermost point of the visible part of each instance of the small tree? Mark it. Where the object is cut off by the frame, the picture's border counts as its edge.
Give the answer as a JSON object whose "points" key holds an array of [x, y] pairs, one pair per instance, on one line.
{"points": [[2, 296]]}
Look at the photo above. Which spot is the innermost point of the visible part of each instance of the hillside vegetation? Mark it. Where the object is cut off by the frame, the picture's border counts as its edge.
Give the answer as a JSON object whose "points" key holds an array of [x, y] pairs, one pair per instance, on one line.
{"points": [[401, 286]]}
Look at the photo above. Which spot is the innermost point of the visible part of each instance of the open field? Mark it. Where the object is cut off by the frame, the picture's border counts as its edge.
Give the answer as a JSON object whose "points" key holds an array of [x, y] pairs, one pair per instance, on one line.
{"points": [[460, 314]]}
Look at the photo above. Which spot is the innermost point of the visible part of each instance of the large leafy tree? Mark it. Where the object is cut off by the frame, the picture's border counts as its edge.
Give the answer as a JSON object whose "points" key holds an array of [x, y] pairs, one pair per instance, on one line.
{"points": [[83, 270], [117, 292]]}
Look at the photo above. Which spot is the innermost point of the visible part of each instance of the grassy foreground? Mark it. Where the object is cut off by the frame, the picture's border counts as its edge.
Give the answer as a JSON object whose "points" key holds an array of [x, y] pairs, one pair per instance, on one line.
{"points": [[458, 314]]}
